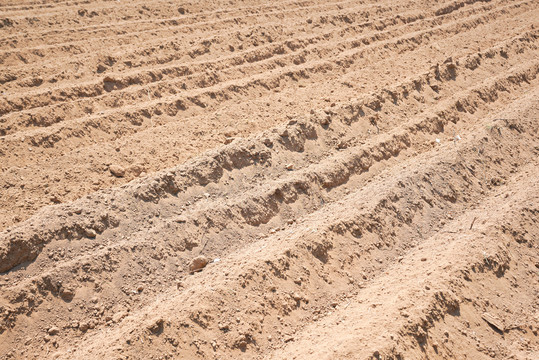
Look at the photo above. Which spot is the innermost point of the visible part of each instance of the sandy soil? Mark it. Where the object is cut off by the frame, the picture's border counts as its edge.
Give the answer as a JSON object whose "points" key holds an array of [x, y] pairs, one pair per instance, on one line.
{"points": [[361, 178]]}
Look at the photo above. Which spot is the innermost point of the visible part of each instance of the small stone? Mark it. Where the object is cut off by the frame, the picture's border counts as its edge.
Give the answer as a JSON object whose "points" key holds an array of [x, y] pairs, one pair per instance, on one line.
{"points": [[84, 326], [140, 288], [117, 170], [290, 167], [424, 259], [289, 339], [325, 121], [101, 68], [181, 219], [90, 233], [296, 296], [493, 321], [198, 263], [156, 325], [67, 294], [53, 331], [136, 169]]}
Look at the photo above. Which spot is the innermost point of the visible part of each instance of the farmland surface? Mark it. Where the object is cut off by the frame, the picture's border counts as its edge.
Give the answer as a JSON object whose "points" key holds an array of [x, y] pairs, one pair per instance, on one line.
{"points": [[362, 178]]}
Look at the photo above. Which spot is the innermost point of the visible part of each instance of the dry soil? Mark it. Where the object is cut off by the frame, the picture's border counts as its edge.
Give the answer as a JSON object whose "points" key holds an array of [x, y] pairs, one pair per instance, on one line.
{"points": [[269, 180]]}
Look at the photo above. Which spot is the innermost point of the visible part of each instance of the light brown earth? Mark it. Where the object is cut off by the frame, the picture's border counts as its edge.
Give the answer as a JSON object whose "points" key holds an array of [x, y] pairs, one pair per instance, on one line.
{"points": [[362, 176]]}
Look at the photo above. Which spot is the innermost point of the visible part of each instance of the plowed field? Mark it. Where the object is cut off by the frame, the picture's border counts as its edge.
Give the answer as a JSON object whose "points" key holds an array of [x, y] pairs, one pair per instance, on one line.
{"points": [[361, 176]]}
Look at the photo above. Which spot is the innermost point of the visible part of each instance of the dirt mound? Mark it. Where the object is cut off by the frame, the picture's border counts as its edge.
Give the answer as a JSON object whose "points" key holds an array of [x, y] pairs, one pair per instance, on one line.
{"points": [[269, 180]]}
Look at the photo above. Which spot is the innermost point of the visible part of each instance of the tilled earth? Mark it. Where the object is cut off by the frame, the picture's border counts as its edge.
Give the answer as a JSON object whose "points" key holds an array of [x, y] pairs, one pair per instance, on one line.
{"points": [[362, 176]]}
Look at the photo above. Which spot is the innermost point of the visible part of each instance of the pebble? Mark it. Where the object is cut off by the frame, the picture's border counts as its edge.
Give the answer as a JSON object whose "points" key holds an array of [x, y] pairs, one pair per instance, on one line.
{"points": [[198, 263], [117, 170], [289, 339], [53, 331], [156, 326], [181, 219], [90, 233], [67, 294]]}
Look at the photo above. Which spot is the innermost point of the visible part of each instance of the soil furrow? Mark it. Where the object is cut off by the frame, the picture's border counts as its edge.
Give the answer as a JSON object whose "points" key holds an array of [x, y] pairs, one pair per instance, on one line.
{"points": [[309, 258], [268, 180], [201, 97]]}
